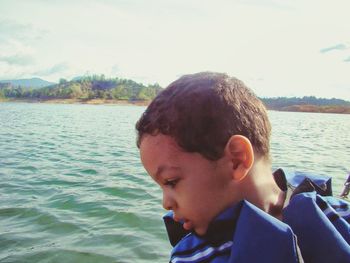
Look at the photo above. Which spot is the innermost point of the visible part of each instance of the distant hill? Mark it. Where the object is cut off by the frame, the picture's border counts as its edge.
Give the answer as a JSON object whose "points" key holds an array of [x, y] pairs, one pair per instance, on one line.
{"points": [[28, 83]]}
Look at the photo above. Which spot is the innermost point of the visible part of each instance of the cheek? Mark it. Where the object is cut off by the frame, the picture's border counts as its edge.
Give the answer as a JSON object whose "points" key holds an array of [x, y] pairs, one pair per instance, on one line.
{"points": [[196, 199], [209, 196]]}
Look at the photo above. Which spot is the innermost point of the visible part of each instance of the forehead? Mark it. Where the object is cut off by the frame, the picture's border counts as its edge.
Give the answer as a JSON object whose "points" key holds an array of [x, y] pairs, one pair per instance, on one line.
{"points": [[163, 151], [158, 147], [160, 153]]}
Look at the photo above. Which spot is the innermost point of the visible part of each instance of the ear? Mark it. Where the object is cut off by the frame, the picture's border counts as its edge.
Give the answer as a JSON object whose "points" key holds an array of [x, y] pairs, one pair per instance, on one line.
{"points": [[240, 152]]}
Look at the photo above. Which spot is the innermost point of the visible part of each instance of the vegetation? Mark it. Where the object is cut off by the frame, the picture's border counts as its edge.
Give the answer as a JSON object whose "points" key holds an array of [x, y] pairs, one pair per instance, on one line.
{"points": [[308, 104], [84, 88], [98, 89], [280, 102], [314, 108]]}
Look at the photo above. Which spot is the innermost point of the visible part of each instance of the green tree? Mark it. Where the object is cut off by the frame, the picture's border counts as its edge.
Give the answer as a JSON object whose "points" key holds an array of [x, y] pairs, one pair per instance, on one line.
{"points": [[120, 93], [146, 93], [76, 91], [2, 94]]}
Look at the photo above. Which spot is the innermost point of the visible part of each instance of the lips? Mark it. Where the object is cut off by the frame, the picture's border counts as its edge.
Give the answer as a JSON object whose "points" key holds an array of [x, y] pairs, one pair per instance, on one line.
{"points": [[186, 224]]}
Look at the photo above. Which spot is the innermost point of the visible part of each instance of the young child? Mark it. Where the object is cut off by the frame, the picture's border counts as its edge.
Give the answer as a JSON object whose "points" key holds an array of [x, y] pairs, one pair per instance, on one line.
{"points": [[205, 141]]}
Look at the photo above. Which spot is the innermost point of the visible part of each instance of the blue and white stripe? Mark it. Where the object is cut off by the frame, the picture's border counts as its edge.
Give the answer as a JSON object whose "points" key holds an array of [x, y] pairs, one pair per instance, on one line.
{"points": [[203, 254], [334, 208]]}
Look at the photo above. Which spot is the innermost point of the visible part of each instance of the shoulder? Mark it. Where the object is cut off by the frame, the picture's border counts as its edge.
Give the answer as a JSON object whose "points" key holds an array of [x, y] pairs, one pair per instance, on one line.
{"points": [[320, 221], [259, 236], [323, 234], [312, 204]]}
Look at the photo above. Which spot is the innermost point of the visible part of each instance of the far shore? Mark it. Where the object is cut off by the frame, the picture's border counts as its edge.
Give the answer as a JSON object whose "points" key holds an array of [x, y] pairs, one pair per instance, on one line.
{"points": [[81, 101], [315, 109], [294, 108]]}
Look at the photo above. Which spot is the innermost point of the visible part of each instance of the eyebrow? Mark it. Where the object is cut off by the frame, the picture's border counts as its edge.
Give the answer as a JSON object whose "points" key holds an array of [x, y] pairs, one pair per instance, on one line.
{"points": [[161, 169]]}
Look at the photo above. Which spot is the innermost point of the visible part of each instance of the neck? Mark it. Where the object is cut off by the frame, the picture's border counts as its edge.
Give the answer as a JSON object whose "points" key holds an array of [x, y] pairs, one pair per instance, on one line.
{"points": [[266, 194]]}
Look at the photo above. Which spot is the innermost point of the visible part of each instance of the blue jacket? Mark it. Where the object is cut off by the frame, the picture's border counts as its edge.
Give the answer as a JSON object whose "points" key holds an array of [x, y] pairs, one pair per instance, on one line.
{"points": [[242, 233]]}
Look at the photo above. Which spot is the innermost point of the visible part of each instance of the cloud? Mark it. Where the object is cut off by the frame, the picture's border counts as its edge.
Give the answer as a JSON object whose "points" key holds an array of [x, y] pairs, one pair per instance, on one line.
{"points": [[336, 47], [18, 45], [17, 59], [57, 68], [53, 73], [10, 29]]}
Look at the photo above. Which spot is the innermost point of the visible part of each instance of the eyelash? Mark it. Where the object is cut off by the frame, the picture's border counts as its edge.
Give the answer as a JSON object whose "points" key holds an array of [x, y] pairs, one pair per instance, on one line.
{"points": [[172, 182]]}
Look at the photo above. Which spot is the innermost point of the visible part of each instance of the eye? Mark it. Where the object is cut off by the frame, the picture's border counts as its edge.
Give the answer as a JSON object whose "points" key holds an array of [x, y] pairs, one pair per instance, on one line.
{"points": [[171, 182]]}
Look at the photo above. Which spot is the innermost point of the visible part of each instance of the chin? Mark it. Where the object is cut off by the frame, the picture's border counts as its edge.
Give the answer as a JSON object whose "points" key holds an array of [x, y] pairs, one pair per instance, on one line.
{"points": [[200, 231]]}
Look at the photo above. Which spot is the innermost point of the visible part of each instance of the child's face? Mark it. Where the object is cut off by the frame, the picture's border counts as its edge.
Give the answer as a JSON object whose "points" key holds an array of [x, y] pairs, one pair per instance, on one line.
{"points": [[196, 189]]}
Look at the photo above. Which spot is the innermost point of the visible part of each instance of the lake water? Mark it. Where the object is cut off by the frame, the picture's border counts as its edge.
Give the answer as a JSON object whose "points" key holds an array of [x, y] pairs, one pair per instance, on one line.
{"points": [[72, 188]]}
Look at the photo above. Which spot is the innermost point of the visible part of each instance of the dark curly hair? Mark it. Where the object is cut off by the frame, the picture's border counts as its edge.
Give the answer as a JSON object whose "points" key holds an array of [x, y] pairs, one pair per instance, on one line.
{"points": [[202, 111]]}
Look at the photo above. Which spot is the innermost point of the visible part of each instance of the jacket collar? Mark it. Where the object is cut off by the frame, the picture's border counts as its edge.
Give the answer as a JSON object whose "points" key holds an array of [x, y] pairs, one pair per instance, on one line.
{"points": [[219, 230]]}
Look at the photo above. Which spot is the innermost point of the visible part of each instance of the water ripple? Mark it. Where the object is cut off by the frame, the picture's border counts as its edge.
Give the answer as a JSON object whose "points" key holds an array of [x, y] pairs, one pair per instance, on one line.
{"points": [[73, 189]]}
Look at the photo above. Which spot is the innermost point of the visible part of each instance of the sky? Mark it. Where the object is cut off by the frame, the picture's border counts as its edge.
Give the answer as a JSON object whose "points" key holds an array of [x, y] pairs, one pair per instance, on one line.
{"points": [[278, 48]]}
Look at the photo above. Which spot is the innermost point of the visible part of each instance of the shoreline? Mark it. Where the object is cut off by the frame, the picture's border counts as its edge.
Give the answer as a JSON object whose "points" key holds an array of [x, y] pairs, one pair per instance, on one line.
{"points": [[293, 108], [80, 101], [314, 109]]}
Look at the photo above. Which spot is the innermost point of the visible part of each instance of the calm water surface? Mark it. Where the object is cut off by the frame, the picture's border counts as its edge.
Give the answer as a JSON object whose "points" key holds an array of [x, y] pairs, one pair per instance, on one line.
{"points": [[72, 188]]}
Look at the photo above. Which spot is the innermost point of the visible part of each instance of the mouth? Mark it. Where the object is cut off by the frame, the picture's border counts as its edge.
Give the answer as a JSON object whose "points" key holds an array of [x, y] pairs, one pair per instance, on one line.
{"points": [[186, 224]]}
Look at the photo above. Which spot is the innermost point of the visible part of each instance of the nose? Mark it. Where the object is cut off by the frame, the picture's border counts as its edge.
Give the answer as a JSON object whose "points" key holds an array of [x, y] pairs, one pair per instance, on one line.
{"points": [[168, 201]]}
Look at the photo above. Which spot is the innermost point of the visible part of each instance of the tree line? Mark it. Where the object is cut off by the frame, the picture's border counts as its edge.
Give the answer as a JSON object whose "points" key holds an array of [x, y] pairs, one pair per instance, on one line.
{"points": [[280, 102], [99, 87], [89, 87]]}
